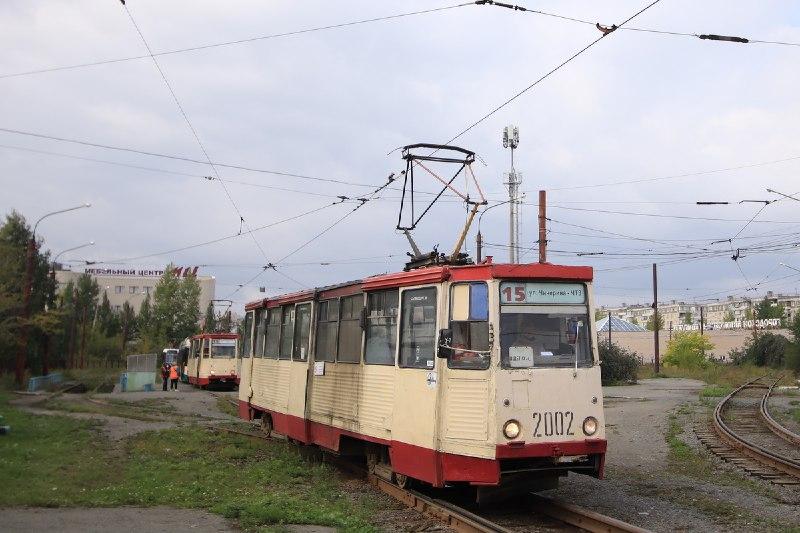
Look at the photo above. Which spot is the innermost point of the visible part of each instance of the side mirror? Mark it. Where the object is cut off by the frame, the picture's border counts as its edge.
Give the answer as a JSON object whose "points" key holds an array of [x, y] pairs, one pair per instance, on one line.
{"points": [[445, 341]]}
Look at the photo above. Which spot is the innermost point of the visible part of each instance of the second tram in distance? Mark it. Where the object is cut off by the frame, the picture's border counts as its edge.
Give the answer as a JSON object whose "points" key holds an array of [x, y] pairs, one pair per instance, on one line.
{"points": [[213, 360], [486, 374]]}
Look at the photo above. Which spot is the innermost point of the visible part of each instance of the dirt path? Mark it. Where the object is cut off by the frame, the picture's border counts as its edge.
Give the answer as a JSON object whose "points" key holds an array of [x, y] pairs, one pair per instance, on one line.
{"points": [[187, 405], [642, 488], [96, 520]]}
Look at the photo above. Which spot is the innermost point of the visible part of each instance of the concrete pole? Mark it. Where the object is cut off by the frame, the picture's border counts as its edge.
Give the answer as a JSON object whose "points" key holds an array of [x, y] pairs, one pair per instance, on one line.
{"points": [[656, 362]]}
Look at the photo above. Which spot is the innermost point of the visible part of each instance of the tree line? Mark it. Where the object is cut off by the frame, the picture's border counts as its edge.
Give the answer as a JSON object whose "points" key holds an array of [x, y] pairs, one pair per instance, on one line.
{"points": [[77, 326]]}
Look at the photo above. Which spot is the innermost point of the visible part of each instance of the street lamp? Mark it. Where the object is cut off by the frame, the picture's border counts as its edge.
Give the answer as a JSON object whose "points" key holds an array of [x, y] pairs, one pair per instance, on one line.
{"points": [[479, 237], [62, 252], [26, 296]]}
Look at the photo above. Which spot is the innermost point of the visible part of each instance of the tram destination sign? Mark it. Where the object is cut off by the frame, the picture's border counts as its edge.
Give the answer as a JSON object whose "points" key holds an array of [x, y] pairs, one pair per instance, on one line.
{"points": [[542, 293]]}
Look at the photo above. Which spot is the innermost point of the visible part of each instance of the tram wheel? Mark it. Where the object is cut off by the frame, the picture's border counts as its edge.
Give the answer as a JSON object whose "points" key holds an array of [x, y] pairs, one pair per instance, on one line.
{"points": [[266, 424]]}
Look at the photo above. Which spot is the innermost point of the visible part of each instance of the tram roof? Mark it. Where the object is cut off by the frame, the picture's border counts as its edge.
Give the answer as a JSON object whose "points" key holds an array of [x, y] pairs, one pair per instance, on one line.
{"points": [[422, 276]]}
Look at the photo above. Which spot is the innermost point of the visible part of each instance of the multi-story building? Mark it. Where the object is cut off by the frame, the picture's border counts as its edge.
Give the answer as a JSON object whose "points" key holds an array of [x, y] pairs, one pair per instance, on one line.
{"points": [[134, 285], [731, 309]]}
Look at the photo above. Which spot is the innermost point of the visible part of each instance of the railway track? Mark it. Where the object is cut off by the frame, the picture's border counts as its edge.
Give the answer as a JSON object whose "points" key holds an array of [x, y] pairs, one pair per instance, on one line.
{"points": [[744, 433], [467, 521]]}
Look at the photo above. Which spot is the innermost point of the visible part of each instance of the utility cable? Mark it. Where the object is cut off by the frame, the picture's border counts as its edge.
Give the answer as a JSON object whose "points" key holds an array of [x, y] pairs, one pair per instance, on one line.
{"points": [[549, 73], [702, 36], [238, 41], [242, 220]]}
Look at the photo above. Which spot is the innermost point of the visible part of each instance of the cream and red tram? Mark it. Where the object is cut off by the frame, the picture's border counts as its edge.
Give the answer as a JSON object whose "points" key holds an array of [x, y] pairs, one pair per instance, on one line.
{"points": [[214, 360], [482, 374]]}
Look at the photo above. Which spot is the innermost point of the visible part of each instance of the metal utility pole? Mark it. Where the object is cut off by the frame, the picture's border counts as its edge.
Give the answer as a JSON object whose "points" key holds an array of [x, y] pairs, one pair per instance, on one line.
{"points": [[609, 329], [511, 140], [656, 362], [701, 319], [543, 228], [479, 246]]}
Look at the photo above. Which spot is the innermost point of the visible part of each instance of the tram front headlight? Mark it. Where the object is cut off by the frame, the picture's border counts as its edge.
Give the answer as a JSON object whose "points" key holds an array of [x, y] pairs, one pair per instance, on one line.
{"points": [[590, 426], [511, 429]]}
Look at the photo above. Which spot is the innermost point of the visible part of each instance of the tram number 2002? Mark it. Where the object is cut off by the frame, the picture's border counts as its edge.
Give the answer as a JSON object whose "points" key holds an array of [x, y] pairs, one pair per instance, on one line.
{"points": [[551, 423]]}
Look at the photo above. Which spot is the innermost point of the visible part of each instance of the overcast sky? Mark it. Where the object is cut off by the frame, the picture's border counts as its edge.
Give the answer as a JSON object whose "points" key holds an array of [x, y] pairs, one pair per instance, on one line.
{"points": [[332, 104]]}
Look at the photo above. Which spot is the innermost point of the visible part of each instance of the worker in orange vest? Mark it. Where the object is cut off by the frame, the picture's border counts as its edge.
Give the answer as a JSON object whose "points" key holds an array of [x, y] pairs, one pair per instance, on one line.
{"points": [[173, 377]]}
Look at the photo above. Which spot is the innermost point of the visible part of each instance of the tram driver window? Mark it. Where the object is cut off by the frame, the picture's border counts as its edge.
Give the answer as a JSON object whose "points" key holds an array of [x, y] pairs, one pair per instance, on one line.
{"points": [[287, 332], [381, 327], [418, 328], [469, 322]]}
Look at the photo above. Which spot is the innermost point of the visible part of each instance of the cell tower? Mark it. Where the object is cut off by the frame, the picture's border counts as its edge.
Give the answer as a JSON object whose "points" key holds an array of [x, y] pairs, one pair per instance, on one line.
{"points": [[511, 140]]}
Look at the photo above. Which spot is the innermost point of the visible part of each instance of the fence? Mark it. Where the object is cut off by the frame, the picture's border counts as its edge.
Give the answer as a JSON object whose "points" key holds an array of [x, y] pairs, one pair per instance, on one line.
{"points": [[142, 362], [141, 374]]}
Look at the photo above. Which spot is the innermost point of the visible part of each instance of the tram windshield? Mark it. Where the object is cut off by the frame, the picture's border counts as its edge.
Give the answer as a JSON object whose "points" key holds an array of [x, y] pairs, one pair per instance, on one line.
{"points": [[544, 325], [223, 348]]}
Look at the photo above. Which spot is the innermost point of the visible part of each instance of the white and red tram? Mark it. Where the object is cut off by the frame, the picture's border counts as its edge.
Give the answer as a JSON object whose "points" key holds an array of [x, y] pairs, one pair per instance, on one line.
{"points": [[482, 374], [214, 360]]}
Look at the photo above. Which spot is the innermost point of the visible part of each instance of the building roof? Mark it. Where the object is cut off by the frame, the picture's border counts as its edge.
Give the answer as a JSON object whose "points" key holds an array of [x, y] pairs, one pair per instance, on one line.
{"points": [[617, 324]]}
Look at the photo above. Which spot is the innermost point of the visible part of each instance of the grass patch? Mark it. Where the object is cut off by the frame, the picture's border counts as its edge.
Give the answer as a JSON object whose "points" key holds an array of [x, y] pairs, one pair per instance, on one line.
{"points": [[57, 461], [796, 415], [686, 461], [721, 374], [715, 391], [225, 406], [121, 409]]}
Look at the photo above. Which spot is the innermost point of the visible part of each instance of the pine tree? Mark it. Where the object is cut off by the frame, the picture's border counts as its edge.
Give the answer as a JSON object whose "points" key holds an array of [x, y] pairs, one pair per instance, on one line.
{"points": [[210, 321], [225, 322], [128, 323]]}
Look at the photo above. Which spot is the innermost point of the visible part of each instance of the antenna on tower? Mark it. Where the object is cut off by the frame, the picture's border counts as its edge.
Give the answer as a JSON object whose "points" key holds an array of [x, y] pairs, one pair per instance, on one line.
{"points": [[511, 140]]}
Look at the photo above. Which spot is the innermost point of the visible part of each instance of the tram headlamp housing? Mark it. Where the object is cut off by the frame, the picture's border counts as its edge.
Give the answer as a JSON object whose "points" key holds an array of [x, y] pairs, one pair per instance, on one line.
{"points": [[511, 429], [589, 426]]}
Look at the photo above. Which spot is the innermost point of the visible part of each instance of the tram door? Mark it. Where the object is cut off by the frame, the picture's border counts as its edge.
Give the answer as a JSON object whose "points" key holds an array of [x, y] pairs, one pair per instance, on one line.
{"points": [[416, 386]]}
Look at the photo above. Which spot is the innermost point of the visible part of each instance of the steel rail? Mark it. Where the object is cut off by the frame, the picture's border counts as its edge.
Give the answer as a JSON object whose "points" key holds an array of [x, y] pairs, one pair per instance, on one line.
{"points": [[748, 448], [773, 424], [465, 521], [582, 518]]}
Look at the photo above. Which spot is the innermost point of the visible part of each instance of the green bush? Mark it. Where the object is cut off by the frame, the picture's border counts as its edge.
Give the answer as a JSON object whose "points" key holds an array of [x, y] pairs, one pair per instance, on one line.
{"points": [[766, 349], [687, 349], [619, 365]]}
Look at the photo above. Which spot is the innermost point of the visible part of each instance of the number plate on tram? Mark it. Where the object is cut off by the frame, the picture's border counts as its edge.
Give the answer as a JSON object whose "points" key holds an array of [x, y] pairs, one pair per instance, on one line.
{"points": [[550, 423]]}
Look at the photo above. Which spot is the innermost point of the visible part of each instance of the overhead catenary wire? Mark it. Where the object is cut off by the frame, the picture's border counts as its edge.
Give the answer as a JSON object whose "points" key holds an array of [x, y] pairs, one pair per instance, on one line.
{"points": [[702, 36], [547, 74], [242, 220], [88, 64], [238, 41]]}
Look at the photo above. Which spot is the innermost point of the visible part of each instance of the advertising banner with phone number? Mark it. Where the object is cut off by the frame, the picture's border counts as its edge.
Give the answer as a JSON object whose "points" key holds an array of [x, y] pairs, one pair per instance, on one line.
{"points": [[542, 293]]}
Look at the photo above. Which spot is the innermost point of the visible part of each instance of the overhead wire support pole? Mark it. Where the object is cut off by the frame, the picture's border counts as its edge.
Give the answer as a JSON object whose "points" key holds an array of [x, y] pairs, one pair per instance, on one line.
{"points": [[656, 362], [543, 227]]}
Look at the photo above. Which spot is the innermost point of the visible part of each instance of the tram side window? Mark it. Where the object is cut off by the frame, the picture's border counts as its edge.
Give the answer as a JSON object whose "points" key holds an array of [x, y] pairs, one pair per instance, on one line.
{"points": [[206, 347], [327, 330], [350, 329], [248, 334], [195, 348], [302, 331], [287, 332], [273, 337], [261, 328], [418, 328], [469, 322], [381, 334]]}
